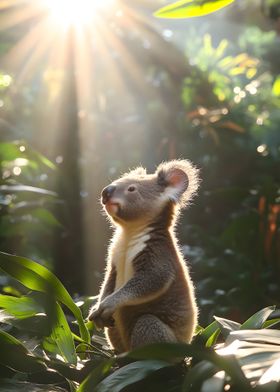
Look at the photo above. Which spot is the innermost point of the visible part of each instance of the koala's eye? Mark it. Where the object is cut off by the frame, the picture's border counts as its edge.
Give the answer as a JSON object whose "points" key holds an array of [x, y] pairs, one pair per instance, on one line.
{"points": [[131, 188]]}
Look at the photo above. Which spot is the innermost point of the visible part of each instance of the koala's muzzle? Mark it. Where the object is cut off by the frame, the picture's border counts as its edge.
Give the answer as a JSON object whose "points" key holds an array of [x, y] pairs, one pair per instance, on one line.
{"points": [[107, 193]]}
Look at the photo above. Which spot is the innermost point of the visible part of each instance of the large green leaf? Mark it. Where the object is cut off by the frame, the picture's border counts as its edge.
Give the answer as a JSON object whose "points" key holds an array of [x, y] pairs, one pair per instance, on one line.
{"points": [[227, 325], [22, 307], [129, 374], [276, 87], [23, 386], [209, 334], [26, 188], [45, 217], [261, 335], [36, 325], [61, 340], [9, 151], [14, 355], [271, 323], [257, 351], [178, 351], [39, 278], [95, 376], [42, 159], [191, 8], [197, 374], [215, 383], [61, 335], [257, 320]]}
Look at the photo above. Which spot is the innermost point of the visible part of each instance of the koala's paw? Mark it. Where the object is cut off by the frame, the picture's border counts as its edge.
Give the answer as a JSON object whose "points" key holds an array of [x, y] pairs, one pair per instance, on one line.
{"points": [[102, 316]]}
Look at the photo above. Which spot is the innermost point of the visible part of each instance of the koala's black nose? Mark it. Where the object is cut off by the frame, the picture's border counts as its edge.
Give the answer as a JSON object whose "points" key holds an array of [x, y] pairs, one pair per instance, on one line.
{"points": [[107, 193]]}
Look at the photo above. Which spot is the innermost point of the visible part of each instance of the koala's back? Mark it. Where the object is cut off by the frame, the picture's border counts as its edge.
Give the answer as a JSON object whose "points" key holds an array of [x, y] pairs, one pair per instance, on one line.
{"points": [[176, 306]]}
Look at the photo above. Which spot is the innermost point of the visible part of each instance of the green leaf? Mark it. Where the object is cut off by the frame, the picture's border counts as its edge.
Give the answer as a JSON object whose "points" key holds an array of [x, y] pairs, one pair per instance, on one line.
{"points": [[260, 335], [26, 188], [163, 351], [41, 158], [271, 323], [191, 8], [213, 338], [23, 386], [257, 320], [209, 334], [256, 351], [39, 278], [61, 340], [20, 307], [61, 335], [214, 384], [197, 374], [178, 351], [14, 355], [46, 217], [9, 151], [276, 87], [95, 376], [227, 325], [129, 374], [37, 325]]}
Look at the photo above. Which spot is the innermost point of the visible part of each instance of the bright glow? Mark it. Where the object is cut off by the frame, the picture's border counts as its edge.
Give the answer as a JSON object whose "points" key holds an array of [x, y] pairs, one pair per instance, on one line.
{"points": [[272, 374], [21, 162], [16, 170], [261, 148], [230, 349], [73, 12]]}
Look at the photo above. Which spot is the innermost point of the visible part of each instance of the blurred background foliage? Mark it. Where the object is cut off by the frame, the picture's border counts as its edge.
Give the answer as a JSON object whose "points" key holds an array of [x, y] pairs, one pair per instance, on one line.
{"points": [[149, 89]]}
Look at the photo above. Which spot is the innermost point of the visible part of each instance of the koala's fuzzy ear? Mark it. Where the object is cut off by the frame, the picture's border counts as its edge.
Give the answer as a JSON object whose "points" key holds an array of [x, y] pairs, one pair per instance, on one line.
{"points": [[180, 179]]}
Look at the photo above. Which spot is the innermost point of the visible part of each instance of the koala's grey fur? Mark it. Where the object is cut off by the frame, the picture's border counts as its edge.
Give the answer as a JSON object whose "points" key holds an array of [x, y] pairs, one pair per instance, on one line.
{"points": [[147, 295]]}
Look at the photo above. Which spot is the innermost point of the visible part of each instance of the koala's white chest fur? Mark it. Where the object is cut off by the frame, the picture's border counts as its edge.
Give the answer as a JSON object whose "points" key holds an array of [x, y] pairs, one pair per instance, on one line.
{"points": [[124, 249]]}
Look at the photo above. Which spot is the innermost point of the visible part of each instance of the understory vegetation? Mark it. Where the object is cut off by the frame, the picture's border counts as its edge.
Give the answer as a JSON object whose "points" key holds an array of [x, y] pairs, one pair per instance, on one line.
{"points": [[47, 346]]}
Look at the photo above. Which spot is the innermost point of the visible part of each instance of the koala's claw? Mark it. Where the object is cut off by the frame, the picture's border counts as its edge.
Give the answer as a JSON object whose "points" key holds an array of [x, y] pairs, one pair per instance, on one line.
{"points": [[101, 318]]}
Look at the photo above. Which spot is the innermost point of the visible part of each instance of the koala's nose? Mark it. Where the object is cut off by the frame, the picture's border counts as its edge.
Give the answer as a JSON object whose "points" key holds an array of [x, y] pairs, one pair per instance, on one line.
{"points": [[107, 193]]}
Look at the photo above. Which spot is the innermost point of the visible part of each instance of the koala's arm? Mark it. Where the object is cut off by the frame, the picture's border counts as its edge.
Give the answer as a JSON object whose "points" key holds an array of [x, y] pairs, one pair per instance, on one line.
{"points": [[109, 283], [107, 288], [150, 281]]}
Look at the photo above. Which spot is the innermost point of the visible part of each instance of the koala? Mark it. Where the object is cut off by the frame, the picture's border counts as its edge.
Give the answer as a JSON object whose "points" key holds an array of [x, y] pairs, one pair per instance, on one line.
{"points": [[147, 295]]}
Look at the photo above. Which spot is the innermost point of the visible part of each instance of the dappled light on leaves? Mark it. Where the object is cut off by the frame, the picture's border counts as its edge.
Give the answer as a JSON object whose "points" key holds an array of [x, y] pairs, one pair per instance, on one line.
{"points": [[272, 374]]}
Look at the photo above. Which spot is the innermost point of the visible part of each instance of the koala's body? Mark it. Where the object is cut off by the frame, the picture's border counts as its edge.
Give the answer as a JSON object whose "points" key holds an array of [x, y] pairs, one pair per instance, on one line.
{"points": [[147, 295]]}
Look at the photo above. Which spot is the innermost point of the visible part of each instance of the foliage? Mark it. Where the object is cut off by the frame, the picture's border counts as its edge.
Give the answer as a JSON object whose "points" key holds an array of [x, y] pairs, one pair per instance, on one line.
{"points": [[41, 350], [191, 8], [232, 110], [26, 205]]}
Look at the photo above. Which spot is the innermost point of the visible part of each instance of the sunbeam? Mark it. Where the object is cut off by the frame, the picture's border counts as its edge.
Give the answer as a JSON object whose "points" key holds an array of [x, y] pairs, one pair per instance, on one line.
{"points": [[74, 12], [84, 60]]}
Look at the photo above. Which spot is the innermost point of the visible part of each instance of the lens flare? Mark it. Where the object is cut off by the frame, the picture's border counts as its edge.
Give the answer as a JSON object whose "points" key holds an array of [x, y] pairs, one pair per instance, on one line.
{"points": [[73, 12]]}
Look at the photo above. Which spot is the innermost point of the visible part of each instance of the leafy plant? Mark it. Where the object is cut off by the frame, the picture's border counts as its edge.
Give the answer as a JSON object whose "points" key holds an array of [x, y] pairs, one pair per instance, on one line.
{"points": [[231, 106], [41, 350], [26, 205], [191, 8]]}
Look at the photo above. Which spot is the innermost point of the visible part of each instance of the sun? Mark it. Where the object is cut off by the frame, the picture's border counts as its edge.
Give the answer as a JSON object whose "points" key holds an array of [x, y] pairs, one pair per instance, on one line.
{"points": [[73, 12]]}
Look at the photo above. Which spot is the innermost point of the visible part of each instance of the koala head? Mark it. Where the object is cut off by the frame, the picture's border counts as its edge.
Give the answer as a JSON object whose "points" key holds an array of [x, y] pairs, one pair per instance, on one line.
{"points": [[138, 197]]}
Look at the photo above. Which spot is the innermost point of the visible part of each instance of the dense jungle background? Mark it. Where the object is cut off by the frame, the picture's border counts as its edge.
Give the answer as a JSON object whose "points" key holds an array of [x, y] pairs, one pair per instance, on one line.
{"points": [[78, 107]]}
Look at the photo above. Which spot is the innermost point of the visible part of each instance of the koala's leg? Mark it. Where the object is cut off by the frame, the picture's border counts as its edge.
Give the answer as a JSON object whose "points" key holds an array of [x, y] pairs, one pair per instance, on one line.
{"points": [[150, 329], [115, 340]]}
